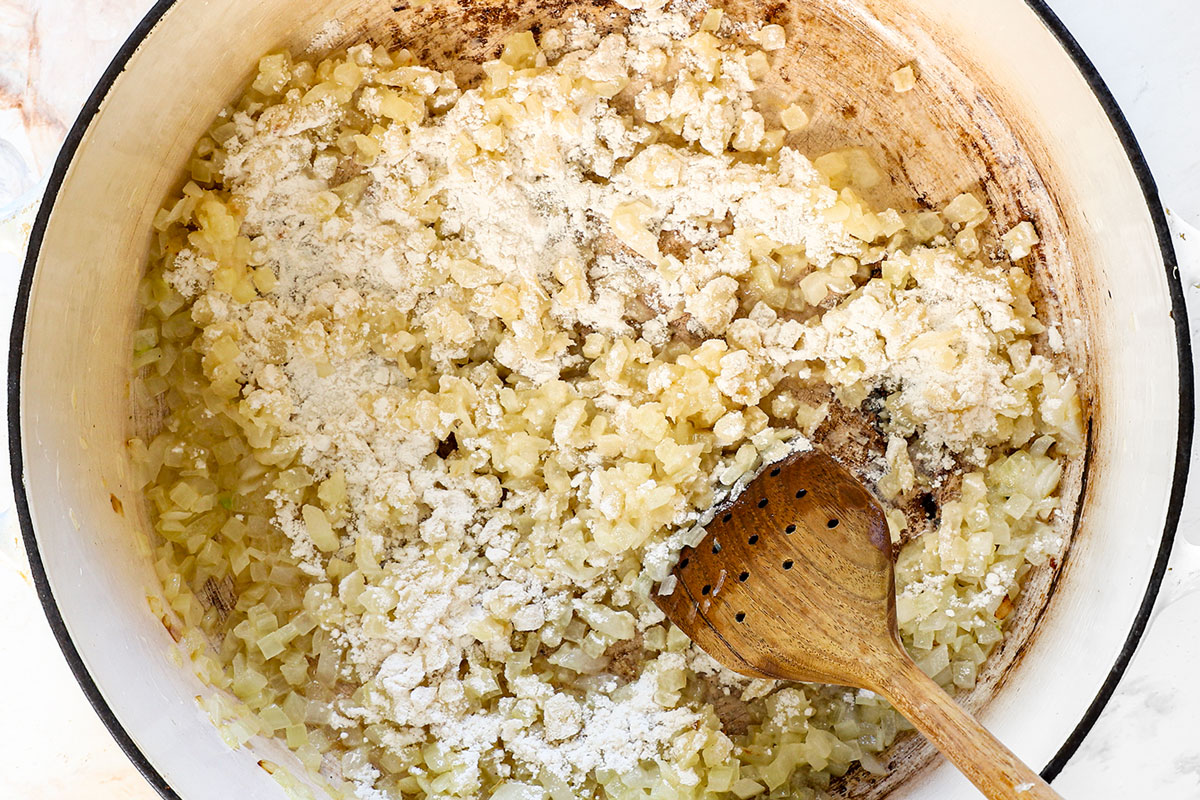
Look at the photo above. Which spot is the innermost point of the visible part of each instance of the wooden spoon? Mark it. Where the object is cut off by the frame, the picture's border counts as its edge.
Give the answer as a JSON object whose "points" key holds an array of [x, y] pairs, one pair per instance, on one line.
{"points": [[794, 581]]}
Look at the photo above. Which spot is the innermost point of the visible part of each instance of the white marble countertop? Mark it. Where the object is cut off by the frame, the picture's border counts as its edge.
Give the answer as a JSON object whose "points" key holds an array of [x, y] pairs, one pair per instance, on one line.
{"points": [[52, 747]]}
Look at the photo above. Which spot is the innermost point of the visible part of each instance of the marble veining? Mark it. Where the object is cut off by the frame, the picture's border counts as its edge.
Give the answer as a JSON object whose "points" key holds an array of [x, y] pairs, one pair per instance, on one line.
{"points": [[51, 53]]}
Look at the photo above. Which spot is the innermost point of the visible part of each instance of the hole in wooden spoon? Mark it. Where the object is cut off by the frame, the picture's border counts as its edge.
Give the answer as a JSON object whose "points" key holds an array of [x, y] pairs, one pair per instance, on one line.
{"points": [[790, 529], [753, 539], [706, 590], [744, 577], [833, 523], [762, 503], [740, 616], [801, 493], [788, 564]]}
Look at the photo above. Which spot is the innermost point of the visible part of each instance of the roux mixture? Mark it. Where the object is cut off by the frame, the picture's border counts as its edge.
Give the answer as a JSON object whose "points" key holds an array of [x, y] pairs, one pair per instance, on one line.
{"points": [[448, 376]]}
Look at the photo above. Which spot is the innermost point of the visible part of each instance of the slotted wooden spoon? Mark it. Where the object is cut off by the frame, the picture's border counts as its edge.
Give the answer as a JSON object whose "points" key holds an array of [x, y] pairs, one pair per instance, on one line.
{"points": [[794, 581]]}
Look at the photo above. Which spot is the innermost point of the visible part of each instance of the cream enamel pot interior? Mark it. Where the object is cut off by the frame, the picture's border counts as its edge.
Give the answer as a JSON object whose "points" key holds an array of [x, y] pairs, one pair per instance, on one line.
{"points": [[1006, 105]]}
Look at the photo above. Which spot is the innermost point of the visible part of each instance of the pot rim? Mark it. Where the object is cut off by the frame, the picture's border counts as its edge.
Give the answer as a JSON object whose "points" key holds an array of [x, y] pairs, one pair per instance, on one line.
{"points": [[93, 104]]}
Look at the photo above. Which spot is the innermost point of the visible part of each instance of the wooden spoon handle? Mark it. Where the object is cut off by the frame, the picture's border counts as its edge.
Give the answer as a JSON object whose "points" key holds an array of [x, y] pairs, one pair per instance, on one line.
{"points": [[981, 757]]}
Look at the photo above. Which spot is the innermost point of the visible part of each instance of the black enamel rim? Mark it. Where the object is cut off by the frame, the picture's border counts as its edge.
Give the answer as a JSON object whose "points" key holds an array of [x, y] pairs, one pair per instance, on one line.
{"points": [[95, 100], [1187, 399]]}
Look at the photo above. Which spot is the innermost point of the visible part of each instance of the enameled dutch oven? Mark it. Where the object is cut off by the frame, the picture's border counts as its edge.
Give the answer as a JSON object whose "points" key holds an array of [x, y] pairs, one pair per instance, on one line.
{"points": [[1006, 104]]}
